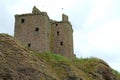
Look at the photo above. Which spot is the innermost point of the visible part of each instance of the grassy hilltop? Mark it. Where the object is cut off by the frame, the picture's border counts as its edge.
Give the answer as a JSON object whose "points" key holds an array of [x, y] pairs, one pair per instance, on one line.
{"points": [[19, 63]]}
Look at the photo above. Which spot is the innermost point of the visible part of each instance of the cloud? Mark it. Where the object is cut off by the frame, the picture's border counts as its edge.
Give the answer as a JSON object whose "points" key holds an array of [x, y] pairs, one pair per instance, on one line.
{"points": [[106, 36], [100, 10], [100, 30], [5, 18], [99, 35]]}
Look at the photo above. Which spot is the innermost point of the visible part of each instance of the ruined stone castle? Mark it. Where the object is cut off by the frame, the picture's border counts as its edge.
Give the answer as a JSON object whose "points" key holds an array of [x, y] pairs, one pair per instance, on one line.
{"points": [[38, 32]]}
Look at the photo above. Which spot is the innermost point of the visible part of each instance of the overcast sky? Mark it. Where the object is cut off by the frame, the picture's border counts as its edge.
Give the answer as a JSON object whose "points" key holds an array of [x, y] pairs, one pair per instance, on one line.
{"points": [[96, 24]]}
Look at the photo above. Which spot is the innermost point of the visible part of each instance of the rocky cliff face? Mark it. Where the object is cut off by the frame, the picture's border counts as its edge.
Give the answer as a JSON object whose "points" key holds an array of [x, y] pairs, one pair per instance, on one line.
{"points": [[19, 63]]}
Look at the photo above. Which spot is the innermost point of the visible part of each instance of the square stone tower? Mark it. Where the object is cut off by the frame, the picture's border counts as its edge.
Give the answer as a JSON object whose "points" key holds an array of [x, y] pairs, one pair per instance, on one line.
{"points": [[33, 30], [36, 31], [62, 38]]}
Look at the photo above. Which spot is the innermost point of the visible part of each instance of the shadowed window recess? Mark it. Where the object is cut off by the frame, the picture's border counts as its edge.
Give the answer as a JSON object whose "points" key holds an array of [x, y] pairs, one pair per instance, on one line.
{"points": [[61, 43], [36, 29], [56, 24], [29, 45], [58, 33], [22, 21]]}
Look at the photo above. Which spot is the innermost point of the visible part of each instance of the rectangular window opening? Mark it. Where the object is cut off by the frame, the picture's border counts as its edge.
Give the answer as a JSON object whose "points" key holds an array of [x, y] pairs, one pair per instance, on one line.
{"points": [[29, 45], [56, 24], [58, 33], [36, 29], [61, 43], [22, 20]]}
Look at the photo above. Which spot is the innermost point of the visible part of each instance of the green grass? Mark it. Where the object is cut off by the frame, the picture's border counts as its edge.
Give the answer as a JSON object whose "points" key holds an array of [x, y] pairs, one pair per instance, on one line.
{"points": [[116, 73], [51, 57], [87, 64]]}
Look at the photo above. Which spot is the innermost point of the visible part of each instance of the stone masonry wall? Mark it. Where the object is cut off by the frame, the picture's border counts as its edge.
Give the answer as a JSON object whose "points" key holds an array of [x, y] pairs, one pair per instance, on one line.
{"points": [[32, 30], [62, 39], [36, 31]]}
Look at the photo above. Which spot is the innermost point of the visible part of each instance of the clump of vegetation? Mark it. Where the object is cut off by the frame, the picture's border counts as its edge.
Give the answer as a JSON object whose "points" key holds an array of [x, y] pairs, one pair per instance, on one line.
{"points": [[116, 73], [51, 57], [86, 64]]}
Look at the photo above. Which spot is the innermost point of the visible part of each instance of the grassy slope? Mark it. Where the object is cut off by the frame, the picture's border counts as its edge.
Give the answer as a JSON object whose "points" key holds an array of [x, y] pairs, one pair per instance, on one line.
{"points": [[20, 63]]}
